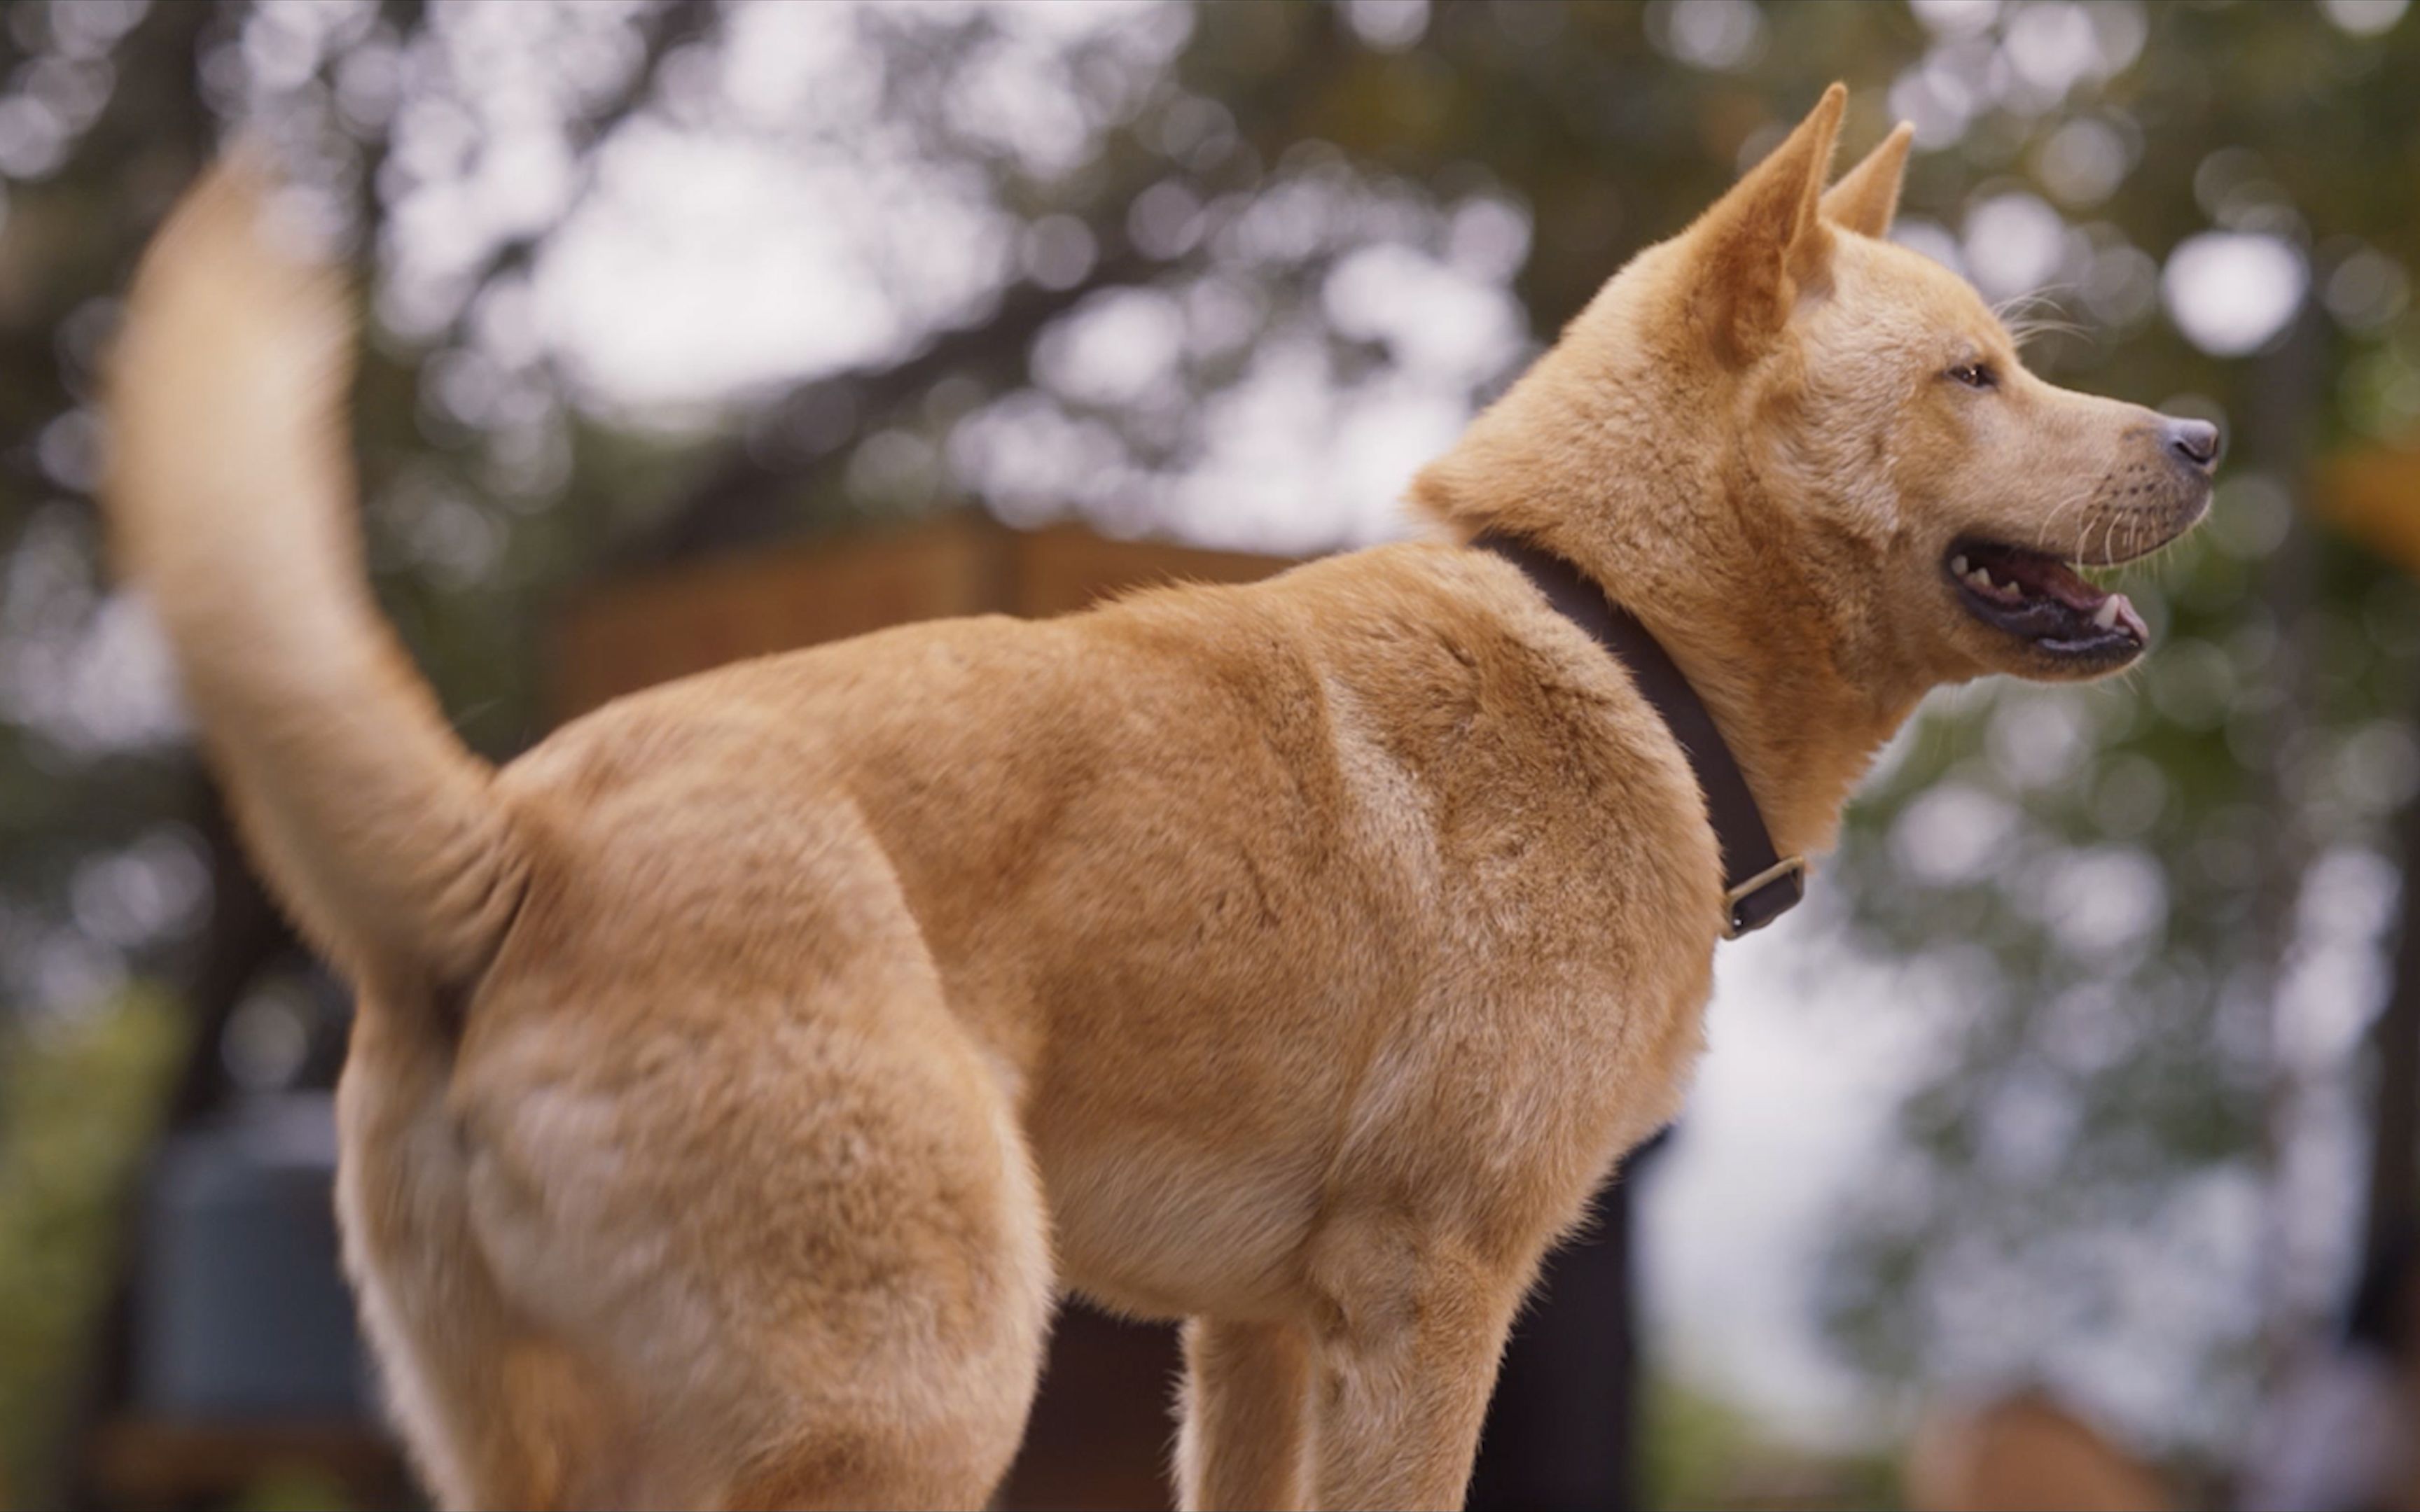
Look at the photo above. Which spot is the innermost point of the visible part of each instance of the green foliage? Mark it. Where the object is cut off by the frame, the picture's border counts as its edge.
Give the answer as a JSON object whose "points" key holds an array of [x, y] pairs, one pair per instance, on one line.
{"points": [[1701, 1452], [79, 1098], [294, 1490]]}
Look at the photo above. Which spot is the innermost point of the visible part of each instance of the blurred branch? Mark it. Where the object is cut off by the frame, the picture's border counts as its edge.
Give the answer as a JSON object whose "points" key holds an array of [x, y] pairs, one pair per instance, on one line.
{"points": [[77, 232], [246, 934], [663, 32], [740, 498], [2277, 431], [2394, 1212]]}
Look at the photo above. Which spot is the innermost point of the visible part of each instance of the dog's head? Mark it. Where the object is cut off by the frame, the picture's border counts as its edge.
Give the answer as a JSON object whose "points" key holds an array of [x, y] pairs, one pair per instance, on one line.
{"points": [[1909, 444], [1779, 407]]}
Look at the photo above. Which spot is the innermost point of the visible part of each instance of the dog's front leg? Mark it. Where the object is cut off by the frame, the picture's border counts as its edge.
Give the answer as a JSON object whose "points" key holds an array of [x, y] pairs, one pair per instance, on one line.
{"points": [[1413, 1332], [1247, 1416]]}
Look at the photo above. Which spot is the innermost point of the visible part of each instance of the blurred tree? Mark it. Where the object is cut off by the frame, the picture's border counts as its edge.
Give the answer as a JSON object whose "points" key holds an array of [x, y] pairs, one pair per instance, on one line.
{"points": [[1226, 272], [82, 1103]]}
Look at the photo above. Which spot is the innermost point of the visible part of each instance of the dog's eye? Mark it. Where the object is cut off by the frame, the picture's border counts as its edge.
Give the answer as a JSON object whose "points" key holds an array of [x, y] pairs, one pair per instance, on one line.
{"points": [[1975, 375]]}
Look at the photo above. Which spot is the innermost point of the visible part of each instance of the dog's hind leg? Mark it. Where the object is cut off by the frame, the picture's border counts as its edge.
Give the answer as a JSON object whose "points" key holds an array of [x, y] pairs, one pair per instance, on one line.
{"points": [[900, 1373], [799, 1237]]}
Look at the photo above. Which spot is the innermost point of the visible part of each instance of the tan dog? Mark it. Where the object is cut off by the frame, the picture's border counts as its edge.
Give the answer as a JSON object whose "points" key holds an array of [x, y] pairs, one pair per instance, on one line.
{"points": [[739, 1075]]}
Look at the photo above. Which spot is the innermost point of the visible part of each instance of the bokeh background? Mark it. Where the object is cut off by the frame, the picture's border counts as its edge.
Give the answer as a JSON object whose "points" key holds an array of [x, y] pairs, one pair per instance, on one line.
{"points": [[2084, 1085]]}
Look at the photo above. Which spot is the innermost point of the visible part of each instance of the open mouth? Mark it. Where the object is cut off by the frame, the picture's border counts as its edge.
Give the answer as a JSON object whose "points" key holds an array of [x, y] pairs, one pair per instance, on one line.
{"points": [[2043, 600]]}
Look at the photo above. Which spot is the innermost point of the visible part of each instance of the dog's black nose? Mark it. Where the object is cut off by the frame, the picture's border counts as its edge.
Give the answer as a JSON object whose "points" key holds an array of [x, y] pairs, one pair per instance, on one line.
{"points": [[2194, 441]]}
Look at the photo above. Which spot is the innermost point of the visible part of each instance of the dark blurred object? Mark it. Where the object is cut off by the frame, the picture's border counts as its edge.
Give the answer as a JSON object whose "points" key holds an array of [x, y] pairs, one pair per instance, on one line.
{"points": [[230, 1371], [1102, 1431], [2025, 1453], [233, 1374], [2340, 1429], [1562, 1429], [244, 1380], [242, 1311], [2391, 1236], [146, 1464]]}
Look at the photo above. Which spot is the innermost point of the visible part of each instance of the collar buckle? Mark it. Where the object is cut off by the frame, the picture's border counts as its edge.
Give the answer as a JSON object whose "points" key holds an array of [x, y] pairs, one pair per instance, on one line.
{"points": [[1765, 897]]}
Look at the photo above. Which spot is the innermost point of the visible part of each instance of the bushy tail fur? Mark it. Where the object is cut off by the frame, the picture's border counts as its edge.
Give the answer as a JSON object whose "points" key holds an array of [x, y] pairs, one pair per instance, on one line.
{"points": [[231, 496]]}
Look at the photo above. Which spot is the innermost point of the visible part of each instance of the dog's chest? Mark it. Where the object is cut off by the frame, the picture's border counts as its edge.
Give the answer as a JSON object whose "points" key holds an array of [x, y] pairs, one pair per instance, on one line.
{"points": [[1171, 1206], [1194, 1131]]}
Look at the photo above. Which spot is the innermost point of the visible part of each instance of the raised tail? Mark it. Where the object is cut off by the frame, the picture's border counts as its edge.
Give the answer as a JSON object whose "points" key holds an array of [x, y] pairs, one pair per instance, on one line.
{"points": [[231, 496]]}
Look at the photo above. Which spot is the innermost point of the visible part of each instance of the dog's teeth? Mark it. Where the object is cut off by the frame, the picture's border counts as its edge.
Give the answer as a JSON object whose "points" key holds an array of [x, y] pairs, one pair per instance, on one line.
{"points": [[2107, 615], [1958, 566], [2131, 621], [1981, 579]]}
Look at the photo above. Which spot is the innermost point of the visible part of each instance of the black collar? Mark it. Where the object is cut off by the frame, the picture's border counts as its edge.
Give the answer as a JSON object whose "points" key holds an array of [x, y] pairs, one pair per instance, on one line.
{"points": [[1758, 887]]}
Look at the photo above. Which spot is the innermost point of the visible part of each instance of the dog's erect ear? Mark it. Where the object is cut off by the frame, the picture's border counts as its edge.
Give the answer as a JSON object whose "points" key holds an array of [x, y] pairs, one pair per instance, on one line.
{"points": [[1764, 239], [1867, 195]]}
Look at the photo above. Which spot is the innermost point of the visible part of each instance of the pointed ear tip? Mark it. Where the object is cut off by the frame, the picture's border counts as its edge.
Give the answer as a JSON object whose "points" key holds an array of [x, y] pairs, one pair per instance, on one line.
{"points": [[1888, 154], [1821, 126]]}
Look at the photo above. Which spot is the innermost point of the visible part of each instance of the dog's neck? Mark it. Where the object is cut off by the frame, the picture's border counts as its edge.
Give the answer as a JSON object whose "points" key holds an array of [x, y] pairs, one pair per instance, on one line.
{"points": [[1803, 730], [1741, 616], [1801, 733]]}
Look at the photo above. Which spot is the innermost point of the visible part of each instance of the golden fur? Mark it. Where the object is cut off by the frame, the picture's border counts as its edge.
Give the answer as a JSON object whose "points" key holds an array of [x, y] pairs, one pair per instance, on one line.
{"points": [[740, 1073]]}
